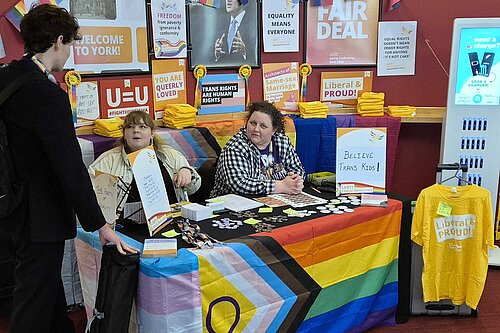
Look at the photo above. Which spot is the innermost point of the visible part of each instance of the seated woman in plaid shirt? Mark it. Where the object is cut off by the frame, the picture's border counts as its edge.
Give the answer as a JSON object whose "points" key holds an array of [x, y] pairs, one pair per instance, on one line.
{"points": [[260, 158]]}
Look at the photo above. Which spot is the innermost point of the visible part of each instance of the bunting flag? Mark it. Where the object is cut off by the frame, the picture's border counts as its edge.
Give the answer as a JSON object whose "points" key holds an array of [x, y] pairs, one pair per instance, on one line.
{"points": [[211, 3], [16, 14], [51, 2], [322, 2], [394, 4]]}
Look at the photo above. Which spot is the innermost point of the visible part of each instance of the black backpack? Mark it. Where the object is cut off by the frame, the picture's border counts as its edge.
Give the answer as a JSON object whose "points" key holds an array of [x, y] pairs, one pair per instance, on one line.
{"points": [[11, 190]]}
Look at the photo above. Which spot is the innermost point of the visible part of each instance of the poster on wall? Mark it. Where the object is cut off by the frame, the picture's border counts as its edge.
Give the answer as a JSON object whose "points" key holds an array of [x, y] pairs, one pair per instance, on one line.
{"points": [[280, 25], [222, 93], [168, 20], [344, 88], [169, 78], [114, 36], [396, 48], [343, 34], [225, 34], [120, 97], [361, 160], [281, 84], [478, 67], [87, 99]]}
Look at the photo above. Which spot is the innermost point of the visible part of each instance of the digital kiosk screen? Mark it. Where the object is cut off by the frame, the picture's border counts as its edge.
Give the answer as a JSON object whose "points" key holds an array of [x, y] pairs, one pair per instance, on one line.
{"points": [[478, 68]]}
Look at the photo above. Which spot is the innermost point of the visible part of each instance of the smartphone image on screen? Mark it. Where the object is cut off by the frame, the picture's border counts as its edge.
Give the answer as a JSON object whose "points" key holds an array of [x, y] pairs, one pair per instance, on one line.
{"points": [[486, 63], [474, 63]]}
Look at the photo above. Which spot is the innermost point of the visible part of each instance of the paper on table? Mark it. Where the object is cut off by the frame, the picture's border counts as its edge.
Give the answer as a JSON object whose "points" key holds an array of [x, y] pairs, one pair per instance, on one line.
{"points": [[236, 202], [170, 233], [266, 210], [251, 221]]}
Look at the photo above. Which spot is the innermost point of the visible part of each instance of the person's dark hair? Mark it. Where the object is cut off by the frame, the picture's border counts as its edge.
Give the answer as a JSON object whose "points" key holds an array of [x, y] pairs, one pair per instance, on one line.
{"points": [[43, 24], [277, 118]]}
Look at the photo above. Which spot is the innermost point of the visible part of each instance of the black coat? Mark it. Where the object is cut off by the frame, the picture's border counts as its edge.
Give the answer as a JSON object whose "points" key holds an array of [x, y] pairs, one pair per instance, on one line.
{"points": [[248, 33], [48, 158]]}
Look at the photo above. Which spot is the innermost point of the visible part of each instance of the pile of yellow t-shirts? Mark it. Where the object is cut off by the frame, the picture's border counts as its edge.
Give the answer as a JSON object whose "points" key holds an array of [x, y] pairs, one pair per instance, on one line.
{"points": [[111, 128], [402, 111], [313, 110], [371, 104], [179, 116]]}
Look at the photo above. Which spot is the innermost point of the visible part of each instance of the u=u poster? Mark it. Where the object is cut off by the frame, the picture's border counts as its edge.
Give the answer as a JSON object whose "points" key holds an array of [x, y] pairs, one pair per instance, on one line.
{"points": [[280, 25]]}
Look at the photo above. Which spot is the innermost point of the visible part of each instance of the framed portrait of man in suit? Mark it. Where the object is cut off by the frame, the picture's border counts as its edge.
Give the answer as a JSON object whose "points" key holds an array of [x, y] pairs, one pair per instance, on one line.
{"points": [[224, 33]]}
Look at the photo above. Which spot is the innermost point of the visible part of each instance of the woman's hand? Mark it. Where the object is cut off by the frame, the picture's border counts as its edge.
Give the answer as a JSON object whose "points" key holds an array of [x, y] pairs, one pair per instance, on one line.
{"points": [[292, 184], [182, 177], [106, 235]]}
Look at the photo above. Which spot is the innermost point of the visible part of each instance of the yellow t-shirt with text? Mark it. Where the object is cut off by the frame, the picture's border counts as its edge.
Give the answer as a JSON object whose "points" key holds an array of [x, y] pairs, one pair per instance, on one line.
{"points": [[454, 243]]}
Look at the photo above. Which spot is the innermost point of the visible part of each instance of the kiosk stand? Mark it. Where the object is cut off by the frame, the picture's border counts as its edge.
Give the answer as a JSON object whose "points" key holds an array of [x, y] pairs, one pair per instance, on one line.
{"points": [[472, 122]]}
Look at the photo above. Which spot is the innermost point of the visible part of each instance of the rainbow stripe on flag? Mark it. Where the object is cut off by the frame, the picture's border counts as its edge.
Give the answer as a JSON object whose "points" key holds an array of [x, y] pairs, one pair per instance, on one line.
{"points": [[322, 2], [394, 4], [211, 3], [307, 277], [16, 14]]}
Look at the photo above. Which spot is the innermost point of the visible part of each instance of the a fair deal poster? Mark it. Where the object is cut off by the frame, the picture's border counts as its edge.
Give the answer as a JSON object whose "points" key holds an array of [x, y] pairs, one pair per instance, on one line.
{"points": [[342, 34], [114, 36], [281, 84], [168, 19], [154, 199], [169, 77], [344, 88], [361, 160], [478, 67]]}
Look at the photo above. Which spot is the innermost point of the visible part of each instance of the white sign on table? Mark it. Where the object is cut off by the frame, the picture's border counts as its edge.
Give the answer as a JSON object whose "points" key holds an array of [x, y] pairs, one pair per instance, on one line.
{"points": [[361, 160], [147, 175]]}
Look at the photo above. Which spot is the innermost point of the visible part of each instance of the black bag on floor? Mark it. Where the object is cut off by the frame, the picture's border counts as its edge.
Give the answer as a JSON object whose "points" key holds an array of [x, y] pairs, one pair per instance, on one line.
{"points": [[115, 292]]}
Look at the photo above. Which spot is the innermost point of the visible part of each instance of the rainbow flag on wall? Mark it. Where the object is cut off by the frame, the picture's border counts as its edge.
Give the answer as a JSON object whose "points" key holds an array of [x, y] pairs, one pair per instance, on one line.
{"points": [[322, 2], [211, 3], [394, 4], [16, 14]]}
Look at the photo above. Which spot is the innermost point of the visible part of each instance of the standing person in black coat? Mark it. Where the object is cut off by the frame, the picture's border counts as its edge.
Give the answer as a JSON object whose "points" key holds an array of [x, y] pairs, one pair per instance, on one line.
{"points": [[47, 158], [237, 44]]}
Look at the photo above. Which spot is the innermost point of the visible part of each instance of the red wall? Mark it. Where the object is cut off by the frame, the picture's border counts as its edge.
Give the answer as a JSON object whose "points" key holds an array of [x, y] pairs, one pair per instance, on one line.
{"points": [[419, 145]]}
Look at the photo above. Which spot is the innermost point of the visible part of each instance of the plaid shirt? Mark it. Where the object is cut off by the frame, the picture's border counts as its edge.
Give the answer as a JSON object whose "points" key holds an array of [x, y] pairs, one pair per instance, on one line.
{"points": [[239, 167]]}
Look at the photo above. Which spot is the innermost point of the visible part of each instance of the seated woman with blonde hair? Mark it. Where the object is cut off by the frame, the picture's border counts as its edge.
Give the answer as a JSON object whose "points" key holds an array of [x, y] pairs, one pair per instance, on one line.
{"points": [[138, 133], [259, 159]]}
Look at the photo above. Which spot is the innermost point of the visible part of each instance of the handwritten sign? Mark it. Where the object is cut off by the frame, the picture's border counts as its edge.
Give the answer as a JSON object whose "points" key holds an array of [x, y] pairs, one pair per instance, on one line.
{"points": [[361, 160], [147, 175], [106, 193], [87, 98]]}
